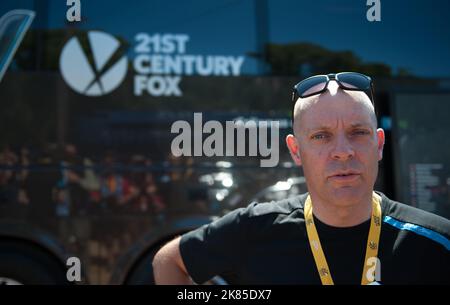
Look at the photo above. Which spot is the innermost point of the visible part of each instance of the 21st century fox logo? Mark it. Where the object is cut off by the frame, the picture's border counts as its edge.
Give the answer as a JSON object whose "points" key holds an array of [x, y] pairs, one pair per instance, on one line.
{"points": [[158, 61]]}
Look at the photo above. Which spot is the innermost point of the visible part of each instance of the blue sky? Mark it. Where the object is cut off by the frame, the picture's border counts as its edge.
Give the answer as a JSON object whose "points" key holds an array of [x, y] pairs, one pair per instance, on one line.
{"points": [[414, 34]]}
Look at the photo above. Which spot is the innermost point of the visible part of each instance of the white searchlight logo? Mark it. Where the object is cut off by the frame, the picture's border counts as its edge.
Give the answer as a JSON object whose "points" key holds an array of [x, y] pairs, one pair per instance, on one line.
{"points": [[158, 62], [104, 76]]}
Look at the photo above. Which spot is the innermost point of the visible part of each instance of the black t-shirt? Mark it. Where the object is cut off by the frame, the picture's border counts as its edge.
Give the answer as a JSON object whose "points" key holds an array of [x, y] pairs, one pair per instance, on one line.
{"points": [[266, 243]]}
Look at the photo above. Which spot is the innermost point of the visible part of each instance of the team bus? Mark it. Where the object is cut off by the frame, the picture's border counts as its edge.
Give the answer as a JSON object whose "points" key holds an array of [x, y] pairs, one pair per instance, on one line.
{"points": [[94, 96]]}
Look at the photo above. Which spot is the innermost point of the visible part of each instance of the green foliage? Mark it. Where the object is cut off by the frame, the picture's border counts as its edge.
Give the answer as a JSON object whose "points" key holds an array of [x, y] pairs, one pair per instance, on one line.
{"points": [[294, 59]]}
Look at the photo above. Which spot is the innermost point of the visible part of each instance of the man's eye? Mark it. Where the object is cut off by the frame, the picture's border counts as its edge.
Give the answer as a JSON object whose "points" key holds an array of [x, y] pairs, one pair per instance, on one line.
{"points": [[319, 136], [361, 132]]}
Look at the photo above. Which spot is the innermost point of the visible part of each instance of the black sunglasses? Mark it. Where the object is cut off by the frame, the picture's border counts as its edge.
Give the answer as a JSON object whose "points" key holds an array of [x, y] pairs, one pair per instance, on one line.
{"points": [[319, 83], [346, 80]]}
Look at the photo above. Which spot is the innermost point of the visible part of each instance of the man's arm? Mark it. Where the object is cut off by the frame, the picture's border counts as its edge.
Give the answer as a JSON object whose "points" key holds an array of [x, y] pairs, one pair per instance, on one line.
{"points": [[168, 266]]}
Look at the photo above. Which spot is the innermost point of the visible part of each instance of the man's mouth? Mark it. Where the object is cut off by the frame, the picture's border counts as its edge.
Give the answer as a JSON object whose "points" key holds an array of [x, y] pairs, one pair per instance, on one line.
{"points": [[345, 176]]}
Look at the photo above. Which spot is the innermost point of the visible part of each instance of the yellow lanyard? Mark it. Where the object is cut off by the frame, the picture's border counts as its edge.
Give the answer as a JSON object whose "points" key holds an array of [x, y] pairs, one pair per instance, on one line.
{"points": [[372, 241]]}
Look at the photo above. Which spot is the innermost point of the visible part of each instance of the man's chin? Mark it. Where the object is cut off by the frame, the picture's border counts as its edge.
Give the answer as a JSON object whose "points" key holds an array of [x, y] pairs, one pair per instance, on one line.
{"points": [[347, 196]]}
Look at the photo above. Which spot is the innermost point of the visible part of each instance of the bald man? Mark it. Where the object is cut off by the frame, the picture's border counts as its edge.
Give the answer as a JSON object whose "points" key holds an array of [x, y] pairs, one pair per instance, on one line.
{"points": [[340, 232]]}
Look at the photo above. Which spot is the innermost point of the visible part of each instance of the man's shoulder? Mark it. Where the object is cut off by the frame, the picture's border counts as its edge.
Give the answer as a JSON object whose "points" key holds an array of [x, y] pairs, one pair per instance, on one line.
{"points": [[279, 207], [404, 216], [258, 217]]}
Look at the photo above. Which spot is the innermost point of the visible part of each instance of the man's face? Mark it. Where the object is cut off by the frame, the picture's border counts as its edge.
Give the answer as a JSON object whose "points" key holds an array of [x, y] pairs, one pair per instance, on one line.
{"points": [[338, 145]]}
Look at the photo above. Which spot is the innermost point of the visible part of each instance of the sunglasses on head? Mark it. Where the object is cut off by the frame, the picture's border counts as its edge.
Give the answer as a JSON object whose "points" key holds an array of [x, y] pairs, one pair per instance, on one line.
{"points": [[346, 80]]}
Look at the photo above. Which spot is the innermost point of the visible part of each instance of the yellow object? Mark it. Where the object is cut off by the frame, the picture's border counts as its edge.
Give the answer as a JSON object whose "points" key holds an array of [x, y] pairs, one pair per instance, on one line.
{"points": [[372, 241]]}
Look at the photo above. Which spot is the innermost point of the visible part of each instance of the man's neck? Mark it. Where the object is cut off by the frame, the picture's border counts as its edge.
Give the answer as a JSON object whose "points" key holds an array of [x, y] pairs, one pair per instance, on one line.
{"points": [[337, 215]]}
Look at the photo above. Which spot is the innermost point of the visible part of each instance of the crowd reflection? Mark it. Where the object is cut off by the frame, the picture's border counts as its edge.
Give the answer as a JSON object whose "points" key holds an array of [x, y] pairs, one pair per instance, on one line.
{"points": [[65, 183]]}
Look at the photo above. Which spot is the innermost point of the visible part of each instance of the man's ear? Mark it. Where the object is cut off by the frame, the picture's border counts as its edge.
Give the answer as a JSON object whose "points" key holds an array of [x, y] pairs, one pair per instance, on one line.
{"points": [[380, 143], [294, 149]]}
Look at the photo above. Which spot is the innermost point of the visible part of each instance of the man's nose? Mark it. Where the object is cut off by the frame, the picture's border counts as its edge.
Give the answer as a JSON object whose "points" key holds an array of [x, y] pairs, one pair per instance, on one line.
{"points": [[342, 150]]}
